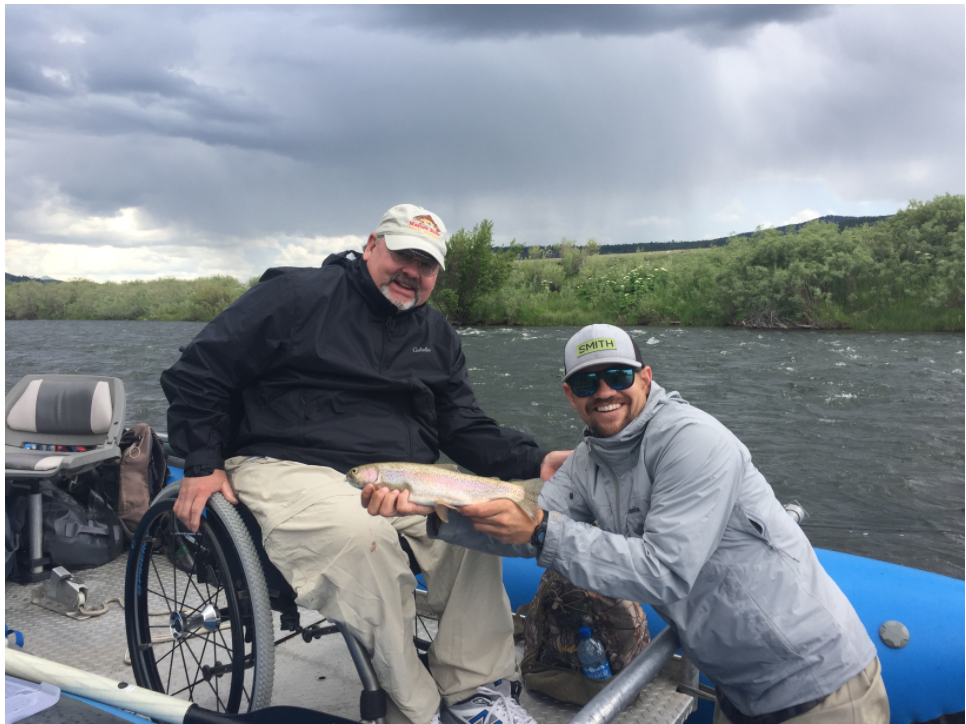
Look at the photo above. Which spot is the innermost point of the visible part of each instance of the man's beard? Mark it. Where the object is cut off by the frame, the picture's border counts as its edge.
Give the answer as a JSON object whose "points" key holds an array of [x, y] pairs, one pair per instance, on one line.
{"points": [[596, 431], [406, 282]]}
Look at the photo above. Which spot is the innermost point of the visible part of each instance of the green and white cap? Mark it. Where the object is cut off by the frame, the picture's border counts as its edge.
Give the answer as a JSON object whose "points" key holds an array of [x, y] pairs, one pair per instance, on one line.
{"points": [[412, 227], [598, 344]]}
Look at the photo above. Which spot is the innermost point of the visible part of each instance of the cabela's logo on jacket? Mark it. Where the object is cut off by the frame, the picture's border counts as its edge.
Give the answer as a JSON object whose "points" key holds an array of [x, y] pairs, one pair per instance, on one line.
{"points": [[425, 224]]}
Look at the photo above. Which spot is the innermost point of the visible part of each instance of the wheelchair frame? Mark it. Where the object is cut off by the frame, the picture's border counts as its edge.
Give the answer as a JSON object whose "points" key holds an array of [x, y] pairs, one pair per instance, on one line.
{"points": [[217, 590]]}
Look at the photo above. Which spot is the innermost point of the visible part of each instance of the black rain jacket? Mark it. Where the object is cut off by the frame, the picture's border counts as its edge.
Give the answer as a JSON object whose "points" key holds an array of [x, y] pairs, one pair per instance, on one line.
{"points": [[318, 367]]}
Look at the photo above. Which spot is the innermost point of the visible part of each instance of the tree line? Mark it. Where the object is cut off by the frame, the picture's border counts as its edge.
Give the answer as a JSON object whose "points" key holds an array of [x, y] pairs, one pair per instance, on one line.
{"points": [[553, 251], [902, 272]]}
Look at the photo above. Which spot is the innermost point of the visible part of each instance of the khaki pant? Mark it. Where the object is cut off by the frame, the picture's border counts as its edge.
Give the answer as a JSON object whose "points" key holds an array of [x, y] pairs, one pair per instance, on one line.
{"points": [[860, 700], [350, 567]]}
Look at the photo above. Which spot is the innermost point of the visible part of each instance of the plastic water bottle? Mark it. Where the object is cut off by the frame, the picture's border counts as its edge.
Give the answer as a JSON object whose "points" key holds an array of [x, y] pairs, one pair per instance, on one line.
{"points": [[592, 656]]}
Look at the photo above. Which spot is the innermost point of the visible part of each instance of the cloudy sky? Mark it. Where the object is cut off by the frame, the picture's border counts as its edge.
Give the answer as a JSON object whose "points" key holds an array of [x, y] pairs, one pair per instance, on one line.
{"points": [[149, 141]]}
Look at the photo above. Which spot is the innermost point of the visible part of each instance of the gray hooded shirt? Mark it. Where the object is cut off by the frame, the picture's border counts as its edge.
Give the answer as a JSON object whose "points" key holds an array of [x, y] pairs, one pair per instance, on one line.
{"points": [[686, 523]]}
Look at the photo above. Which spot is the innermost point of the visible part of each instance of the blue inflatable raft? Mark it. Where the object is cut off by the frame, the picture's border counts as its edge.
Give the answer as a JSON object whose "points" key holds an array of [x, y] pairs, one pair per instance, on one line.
{"points": [[925, 679]]}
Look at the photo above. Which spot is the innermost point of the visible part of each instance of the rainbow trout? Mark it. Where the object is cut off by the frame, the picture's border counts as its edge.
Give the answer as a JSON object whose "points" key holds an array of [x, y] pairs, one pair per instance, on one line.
{"points": [[445, 487]]}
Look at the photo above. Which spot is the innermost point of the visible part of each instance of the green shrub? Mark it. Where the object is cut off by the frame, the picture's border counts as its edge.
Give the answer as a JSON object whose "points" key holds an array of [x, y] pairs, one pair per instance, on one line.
{"points": [[473, 270]]}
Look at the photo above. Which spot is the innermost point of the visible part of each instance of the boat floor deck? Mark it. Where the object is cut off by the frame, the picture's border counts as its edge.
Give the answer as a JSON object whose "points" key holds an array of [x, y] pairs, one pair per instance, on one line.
{"points": [[317, 675]]}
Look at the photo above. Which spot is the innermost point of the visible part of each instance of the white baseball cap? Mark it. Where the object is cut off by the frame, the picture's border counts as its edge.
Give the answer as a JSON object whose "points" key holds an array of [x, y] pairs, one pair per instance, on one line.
{"points": [[412, 227], [598, 344]]}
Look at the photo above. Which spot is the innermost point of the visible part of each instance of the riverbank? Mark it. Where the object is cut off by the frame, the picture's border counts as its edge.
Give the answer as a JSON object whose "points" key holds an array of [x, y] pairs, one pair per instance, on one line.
{"points": [[159, 300], [903, 274]]}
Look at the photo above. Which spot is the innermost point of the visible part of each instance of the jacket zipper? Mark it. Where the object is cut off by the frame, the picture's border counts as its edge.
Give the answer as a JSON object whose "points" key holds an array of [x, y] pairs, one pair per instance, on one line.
{"points": [[305, 417], [386, 328], [409, 429], [615, 507]]}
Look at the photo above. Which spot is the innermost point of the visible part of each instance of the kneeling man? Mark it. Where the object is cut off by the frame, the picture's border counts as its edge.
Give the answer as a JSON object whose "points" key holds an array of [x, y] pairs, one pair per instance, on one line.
{"points": [[686, 523]]}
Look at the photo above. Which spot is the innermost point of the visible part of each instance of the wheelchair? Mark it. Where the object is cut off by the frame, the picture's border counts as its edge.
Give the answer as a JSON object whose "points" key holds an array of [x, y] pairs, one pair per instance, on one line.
{"points": [[198, 611]]}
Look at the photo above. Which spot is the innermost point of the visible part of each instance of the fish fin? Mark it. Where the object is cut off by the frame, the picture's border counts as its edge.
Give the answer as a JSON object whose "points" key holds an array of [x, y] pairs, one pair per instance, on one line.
{"points": [[448, 466], [443, 512], [531, 491]]}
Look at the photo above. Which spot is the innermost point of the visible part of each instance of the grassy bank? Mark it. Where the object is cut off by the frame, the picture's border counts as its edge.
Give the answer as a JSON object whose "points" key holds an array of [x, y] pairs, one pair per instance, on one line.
{"points": [[904, 273], [166, 300]]}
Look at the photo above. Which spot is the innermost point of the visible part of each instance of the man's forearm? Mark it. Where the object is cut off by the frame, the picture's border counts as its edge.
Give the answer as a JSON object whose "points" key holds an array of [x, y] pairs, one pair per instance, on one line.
{"points": [[460, 531]]}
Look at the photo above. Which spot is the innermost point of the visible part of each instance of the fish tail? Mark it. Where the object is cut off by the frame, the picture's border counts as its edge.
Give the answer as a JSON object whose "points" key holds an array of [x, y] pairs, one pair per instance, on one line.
{"points": [[531, 491]]}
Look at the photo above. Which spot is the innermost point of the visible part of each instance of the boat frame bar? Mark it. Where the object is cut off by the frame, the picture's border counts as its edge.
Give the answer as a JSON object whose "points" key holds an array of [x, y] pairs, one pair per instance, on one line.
{"points": [[607, 705]]}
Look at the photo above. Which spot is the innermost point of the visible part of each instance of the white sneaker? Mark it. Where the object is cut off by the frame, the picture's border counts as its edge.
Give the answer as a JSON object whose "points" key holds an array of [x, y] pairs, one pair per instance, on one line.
{"points": [[435, 719], [496, 703]]}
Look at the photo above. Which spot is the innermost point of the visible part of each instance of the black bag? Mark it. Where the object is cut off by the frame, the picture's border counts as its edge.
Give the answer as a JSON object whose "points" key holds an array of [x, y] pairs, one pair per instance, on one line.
{"points": [[75, 536]]}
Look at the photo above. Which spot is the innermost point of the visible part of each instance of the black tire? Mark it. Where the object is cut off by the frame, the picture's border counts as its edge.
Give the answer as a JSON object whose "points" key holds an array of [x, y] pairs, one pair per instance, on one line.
{"points": [[223, 661]]}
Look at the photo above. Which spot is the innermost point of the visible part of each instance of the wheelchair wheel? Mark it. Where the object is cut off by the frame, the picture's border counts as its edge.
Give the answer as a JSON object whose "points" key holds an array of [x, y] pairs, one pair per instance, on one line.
{"points": [[199, 623]]}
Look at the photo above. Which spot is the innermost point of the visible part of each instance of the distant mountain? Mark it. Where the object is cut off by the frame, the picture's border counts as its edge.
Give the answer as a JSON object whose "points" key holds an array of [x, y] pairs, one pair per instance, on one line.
{"points": [[14, 279], [844, 222]]}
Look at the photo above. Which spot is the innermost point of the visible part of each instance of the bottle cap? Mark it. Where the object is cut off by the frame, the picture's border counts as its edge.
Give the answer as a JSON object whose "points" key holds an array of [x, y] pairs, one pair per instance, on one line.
{"points": [[584, 632]]}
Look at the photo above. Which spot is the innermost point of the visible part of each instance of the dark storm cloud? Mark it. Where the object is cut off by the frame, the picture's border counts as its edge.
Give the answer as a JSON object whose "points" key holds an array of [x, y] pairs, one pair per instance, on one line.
{"points": [[712, 23], [231, 122], [104, 74]]}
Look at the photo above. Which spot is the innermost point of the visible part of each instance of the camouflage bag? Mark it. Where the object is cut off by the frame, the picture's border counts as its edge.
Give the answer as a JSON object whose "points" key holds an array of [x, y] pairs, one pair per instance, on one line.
{"points": [[553, 618]]}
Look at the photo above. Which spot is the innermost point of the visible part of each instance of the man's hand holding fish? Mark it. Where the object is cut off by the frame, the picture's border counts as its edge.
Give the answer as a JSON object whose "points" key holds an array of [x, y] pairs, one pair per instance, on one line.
{"points": [[503, 520], [391, 503]]}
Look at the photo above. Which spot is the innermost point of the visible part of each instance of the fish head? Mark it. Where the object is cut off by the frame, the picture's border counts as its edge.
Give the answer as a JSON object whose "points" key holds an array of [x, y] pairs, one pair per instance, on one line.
{"points": [[362, 476]]}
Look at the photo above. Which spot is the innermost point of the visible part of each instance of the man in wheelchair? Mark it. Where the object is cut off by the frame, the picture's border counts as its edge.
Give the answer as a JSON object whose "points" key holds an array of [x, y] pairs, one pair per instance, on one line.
{"points": [[314, 371]]}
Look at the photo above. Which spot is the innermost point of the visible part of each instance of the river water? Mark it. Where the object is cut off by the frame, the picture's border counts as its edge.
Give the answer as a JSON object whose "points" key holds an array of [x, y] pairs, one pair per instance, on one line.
{"points": [[864, 429]]}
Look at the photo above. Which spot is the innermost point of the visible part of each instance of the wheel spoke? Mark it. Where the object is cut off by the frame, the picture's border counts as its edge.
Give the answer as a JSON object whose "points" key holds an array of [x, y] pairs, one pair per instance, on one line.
{"points": [[182, 607], [204, 599], [209, 638], [170, 666], [157, 574], [189, 575], [196, 682], [184, 665], [185, 576]]}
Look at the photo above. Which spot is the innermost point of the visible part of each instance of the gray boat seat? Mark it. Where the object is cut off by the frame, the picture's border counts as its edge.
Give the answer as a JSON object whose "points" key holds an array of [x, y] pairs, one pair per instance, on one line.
{"points": [[57, 426], [71, 423]]}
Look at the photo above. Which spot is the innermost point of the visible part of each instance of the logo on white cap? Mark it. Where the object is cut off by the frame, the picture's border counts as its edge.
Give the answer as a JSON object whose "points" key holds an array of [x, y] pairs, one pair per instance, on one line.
{"points": [[424, 223]]}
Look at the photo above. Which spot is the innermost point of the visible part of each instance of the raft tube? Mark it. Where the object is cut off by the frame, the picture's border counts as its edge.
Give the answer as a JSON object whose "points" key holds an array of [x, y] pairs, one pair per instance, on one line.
{"points": [[924, 679]]}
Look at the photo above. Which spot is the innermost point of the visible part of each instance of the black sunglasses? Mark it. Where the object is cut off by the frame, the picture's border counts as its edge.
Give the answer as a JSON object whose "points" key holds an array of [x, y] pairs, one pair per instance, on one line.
{"points": [[584, 384]]}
